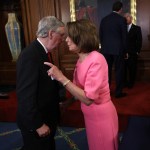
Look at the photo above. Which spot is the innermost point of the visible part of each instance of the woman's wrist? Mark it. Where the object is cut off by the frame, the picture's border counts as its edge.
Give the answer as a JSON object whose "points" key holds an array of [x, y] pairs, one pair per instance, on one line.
{"points": [[66, 82]]}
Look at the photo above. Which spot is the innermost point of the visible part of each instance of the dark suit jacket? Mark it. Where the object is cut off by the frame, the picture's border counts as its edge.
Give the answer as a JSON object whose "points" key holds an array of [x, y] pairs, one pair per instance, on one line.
{"points": [[113, 33], [134, 40], [38, 97]]}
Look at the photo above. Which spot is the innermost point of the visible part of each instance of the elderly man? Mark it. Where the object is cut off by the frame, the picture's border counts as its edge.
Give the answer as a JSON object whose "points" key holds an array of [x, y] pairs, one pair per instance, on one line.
{"points": [[134, 45], [38, 97]]}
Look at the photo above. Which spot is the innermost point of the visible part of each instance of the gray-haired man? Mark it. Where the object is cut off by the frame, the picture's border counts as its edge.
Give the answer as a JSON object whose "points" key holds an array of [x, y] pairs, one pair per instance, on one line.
{"points": [[38, 97]]}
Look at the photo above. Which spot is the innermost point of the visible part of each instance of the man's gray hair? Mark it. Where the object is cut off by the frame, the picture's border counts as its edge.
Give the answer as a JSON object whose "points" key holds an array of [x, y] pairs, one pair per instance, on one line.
{"points": [[46, 24], [128, 15]]}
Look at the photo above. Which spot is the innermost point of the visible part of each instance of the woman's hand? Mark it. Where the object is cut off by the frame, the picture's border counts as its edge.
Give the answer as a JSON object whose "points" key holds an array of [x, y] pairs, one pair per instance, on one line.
{"points": [[71, 87], [55, 73]]}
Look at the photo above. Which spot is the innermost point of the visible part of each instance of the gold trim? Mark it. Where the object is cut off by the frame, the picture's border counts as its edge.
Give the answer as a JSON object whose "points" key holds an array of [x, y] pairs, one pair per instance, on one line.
{"points": [[9, 132], [72, 10], [133, 10]]}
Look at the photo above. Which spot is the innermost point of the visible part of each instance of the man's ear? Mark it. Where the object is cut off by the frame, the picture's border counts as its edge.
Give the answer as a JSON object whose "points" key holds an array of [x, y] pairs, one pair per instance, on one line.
{"points": [[50, 34]]}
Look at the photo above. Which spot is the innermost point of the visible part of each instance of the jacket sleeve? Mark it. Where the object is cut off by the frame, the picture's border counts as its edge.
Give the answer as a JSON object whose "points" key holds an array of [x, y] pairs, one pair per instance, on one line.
{"points": [[124, 35]]}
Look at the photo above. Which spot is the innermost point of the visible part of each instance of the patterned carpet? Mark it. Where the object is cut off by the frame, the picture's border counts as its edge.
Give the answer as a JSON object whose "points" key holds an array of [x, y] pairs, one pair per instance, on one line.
{"points": [[66, 138]]}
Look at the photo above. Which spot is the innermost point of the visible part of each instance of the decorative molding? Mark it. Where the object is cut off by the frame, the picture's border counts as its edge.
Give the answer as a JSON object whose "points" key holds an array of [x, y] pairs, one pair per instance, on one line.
{"points": [[133, 10], [72, 10]]}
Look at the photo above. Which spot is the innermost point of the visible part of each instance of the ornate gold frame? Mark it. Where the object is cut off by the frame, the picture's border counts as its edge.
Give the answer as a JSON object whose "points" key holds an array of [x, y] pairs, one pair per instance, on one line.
{"points": [[73, 16]]}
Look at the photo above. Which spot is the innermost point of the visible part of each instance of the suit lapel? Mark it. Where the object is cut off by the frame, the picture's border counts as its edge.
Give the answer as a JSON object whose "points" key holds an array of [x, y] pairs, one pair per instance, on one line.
{"points": [[132, 28]]}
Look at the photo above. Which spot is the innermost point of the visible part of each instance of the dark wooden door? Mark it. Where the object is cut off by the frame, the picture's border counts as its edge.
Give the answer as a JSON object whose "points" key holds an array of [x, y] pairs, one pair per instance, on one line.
{"points": [[143, 20]]}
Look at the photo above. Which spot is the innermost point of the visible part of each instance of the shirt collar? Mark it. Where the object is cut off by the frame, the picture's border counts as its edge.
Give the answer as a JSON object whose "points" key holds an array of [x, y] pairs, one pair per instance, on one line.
{"points": [[129, 26], [42, 45]]}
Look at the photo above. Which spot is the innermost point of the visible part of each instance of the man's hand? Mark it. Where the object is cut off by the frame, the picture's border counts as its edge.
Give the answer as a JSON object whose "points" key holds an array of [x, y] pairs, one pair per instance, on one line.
{"points": [[126, 56], [43, 131]]}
